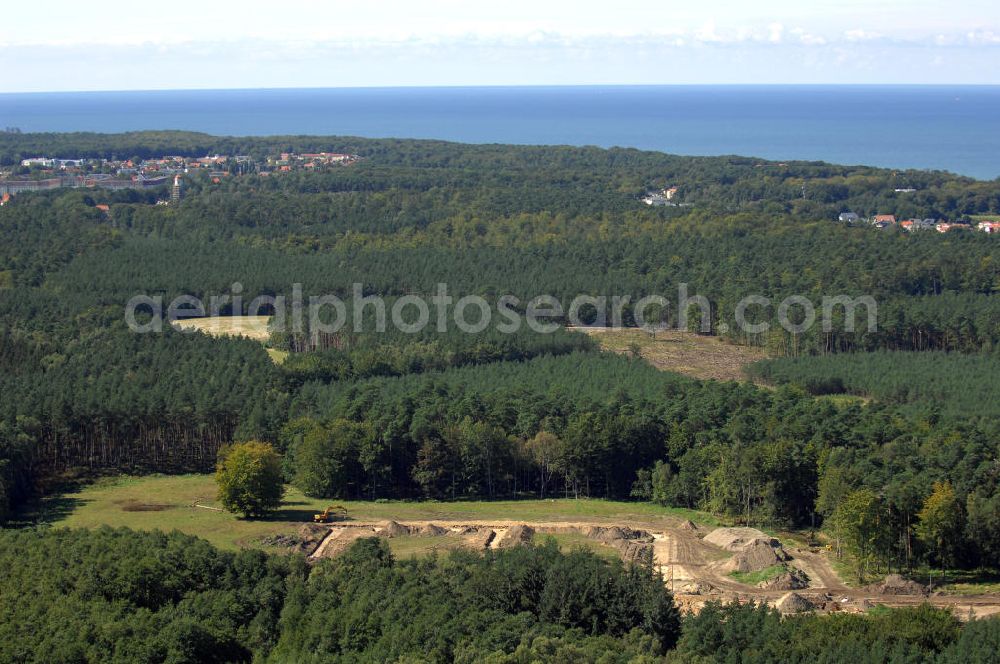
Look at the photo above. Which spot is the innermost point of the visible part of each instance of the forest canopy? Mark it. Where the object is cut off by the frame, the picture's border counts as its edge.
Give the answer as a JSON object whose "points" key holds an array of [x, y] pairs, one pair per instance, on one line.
{"points": [[456, 416]]}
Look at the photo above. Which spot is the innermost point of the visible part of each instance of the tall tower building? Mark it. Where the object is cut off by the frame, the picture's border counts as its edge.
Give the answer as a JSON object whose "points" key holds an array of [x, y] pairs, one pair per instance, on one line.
{"points": [[175, 193]]}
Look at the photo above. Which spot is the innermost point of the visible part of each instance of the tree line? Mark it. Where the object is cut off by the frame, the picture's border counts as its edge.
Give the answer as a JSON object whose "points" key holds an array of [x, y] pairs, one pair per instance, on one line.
{"points": [[110, 595]]}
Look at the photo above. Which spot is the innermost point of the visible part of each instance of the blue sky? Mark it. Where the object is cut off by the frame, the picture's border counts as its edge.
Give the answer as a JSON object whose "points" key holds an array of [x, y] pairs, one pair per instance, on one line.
{"points": [[126, 45]]}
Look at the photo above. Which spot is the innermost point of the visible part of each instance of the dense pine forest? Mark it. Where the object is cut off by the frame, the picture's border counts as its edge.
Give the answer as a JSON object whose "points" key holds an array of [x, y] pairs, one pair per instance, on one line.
{"points": [[950, 385], [363, 414]]}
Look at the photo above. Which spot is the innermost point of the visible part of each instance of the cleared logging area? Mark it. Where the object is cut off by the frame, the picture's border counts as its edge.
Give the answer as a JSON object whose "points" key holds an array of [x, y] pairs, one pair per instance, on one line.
{"points": [[252, 327], [706, 358]]}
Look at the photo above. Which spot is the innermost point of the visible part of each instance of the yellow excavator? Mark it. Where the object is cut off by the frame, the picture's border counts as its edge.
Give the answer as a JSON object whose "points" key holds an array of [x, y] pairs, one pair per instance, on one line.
{"points": [[331, 512]]}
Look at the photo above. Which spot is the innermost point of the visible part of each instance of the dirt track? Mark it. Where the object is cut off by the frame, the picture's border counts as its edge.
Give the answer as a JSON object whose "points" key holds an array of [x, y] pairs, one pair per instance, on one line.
{"points": [[690, 566]]}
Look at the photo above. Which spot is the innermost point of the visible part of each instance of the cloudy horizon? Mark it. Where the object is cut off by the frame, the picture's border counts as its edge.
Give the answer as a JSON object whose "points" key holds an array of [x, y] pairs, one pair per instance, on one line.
{"points": [[305, 43]]}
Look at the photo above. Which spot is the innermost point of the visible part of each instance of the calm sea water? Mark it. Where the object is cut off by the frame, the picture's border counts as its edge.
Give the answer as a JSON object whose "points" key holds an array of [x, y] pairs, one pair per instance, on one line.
{"points": [[951, 128]]}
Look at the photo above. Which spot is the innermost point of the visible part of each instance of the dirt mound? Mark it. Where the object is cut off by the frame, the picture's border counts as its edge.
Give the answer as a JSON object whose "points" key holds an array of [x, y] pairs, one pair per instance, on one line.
{"points": [[610, 535], [733, 539], [634, 551], [894, 584], [638, 535], [757, 555], [687, 524], [339, 540], [393, 529], [635, 546], [305, 540], [432, 530], [696, 588], [794, 603], [793, 579], [479, 538], [516, 535], [313, 531]]}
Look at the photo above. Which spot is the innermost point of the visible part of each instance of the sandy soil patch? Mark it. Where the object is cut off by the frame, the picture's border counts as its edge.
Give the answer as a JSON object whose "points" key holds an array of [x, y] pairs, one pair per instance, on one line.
{"points": [[252, 327], [702, 357]]}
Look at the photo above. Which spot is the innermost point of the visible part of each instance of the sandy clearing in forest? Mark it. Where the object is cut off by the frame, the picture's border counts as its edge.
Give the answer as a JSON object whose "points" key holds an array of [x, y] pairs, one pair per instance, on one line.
{"points": [[702, 357], [252, 327]]}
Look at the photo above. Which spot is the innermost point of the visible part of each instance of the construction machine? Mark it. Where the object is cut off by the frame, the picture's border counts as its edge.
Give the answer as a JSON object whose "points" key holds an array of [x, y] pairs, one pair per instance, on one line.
{"points": [[331, 512]]}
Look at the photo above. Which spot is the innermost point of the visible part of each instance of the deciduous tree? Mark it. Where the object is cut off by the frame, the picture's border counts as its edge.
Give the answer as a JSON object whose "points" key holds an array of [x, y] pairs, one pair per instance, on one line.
{"points": [[249, 478]]}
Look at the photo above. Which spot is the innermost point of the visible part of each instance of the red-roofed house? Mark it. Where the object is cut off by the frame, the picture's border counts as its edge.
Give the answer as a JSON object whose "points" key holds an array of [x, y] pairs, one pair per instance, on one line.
{"points": [[989, 226]]}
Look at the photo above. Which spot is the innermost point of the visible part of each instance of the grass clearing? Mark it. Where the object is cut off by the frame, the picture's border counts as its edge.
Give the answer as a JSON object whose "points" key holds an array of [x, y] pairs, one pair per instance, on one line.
{"points": [[113, 501], [959, 581], [570, 541], [706, 358], [277, 356], [753, 578], [252, 327], [980, 588], [422, 546], [843, 400]]}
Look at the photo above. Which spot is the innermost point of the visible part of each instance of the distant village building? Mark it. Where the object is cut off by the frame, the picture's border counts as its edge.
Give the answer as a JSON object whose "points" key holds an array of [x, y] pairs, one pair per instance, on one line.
{"points": [[175, 192], [848, 217], [662, 197], [905, 190], [884, 220], [918, 224], [154, 171], [17, 186], [989, 226]]}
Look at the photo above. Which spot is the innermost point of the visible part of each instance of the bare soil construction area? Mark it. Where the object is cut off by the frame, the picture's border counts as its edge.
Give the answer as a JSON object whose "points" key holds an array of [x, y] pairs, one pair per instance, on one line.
{"points": [[699, 560], [698, 563]]}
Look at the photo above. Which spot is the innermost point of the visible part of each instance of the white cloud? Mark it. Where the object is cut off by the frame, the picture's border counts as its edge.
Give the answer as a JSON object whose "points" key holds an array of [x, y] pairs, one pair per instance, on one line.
{"points": [[806, 38], [983, 37], [859, 35], [706, 34], [648, 51], [774, 35]]}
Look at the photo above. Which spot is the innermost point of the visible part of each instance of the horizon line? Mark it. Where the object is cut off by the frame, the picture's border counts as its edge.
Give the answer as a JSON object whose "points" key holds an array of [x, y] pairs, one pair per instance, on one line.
{"points": [[507, 86]]}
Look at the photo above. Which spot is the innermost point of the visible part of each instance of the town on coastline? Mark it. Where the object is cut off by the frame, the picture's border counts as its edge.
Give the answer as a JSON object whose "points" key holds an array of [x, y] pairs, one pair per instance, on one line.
{"points": [[883, 221], [668, 197], [42, 173]]}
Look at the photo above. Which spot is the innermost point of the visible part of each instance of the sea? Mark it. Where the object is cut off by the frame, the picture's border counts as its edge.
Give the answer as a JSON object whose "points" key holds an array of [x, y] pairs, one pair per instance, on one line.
{"points": [[953, 128]]}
